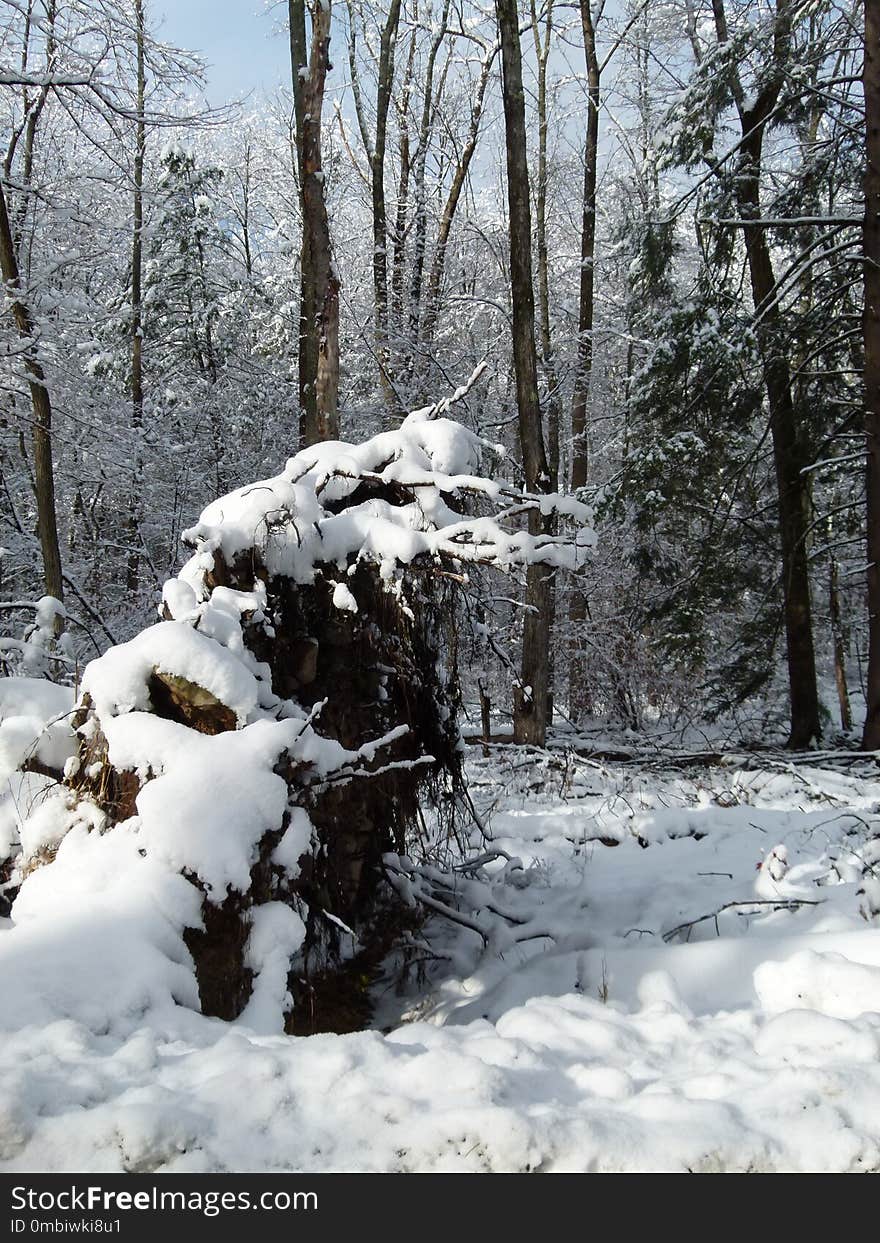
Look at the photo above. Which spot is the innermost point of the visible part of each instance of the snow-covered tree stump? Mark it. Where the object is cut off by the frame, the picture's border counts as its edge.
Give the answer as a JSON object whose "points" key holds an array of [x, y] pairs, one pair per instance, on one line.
{"points": [[271, 738]]}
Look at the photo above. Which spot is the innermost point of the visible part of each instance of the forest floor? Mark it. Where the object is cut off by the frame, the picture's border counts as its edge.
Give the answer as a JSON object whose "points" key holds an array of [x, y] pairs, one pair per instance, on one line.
{"points": [[707, 998]]}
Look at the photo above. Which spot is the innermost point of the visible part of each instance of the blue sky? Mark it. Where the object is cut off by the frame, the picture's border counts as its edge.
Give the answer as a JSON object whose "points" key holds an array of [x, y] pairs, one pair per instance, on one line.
{"points": [[240, 39]]}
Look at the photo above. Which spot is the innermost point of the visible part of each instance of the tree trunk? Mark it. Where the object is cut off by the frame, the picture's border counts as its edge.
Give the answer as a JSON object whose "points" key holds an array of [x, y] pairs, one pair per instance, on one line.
{"points": [[581, 394], [789, 456], [837, 635], [137, 335], [44, 474], [380, 229], [871, 331], [485, 719], [548, 358], [580, 454], [531, 696], [306, 354], [793, 498], [792, 489], [402, 103], [420, 219], [319, 299]]}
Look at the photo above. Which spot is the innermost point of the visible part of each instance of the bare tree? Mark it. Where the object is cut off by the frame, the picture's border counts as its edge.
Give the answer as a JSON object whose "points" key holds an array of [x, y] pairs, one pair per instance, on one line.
{"points": [[137, 252], [319, 302], [531, 696], [377, 185], [453, 198], [22, 313], [44, 471], [871, 333]]}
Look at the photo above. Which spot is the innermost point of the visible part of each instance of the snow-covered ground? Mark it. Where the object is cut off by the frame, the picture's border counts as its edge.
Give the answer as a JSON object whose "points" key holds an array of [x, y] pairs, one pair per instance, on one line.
{"points": [[634, 1039]]}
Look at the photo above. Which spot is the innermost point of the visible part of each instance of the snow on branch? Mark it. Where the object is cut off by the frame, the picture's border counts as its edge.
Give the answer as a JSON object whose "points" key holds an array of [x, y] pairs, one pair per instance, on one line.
{"points": [[397, 497]]}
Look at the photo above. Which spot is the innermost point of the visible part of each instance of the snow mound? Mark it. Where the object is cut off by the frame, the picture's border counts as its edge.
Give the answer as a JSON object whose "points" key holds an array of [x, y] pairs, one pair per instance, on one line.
{"points": [[34, 724], [827, 983], [752, 1048], [119, 681], [36, 735]]}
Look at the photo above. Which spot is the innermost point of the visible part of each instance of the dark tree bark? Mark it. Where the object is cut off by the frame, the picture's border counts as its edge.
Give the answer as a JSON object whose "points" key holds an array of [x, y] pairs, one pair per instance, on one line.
{"points": [[531, 697], [32, 111], [543, 43], [137, 334], [839, 642], [581, 393], [871, 331], [319, 299], [12, 219], [377, 170], [306, 356], [402, 105], [44, 474], [789, 455], [578, 697]]}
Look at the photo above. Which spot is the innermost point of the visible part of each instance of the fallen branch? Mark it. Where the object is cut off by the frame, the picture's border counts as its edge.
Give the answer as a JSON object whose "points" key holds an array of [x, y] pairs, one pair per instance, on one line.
{"points": [[779, 904]]}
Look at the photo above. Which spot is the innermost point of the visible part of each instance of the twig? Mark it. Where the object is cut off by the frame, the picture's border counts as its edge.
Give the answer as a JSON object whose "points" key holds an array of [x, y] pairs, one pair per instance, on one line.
{"points": [[780, 904]]}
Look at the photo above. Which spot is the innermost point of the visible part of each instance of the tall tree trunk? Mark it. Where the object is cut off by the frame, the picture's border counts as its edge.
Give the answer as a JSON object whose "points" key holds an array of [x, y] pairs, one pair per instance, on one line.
{"points": [[307, 352], [839, 642], [578, 696], [380, 228], [402, 104], [319, 299], [246, 212], [420, 213], [871, 331], [548, 358], [33, 110], [531, 697], [581, 393], [44, 474], [137, 333], [789, 456]]}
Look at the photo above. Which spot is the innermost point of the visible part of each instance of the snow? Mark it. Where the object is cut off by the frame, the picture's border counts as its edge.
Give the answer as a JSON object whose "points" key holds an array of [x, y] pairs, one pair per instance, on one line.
{"points": [[297, 524], [212, 798], [829, 983], [35, 729], [620, 1044], [276, 934], [295, 841], [216, 796], [34, 724], [96, 943], [118, 681], [343, 599]]}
